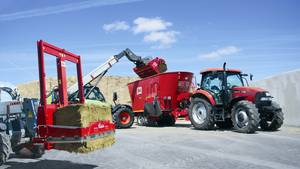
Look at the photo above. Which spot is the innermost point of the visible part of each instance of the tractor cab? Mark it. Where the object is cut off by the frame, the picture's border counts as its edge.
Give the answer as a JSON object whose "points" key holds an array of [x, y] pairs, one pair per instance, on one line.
{"points": [[90, 93], [219, 82]]}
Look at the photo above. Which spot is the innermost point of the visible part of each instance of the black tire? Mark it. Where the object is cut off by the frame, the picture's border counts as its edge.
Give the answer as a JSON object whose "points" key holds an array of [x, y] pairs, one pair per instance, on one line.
{"points": [[201, 115], [5, 147], [227, 124], [123, 117], [167, 120], [245, 117], [141, 119], [276, 120], [150, 122], [170, 121], [38, 151]]}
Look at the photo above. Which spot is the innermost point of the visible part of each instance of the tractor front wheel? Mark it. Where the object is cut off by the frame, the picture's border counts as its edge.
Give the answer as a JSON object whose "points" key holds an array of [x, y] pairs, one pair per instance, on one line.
{"points": [[245, 117], [123, 117], [5, 147], [200, 114], [276, 118]]}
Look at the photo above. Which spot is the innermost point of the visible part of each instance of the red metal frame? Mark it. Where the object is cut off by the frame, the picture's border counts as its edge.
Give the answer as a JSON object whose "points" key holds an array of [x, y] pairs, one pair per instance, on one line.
{"points": [[46, 128], [61, 56]]}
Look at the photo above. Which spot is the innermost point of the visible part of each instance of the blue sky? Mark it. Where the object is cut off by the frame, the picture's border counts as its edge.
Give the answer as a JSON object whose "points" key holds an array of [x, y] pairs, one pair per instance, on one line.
{"points": [[261, 37]]}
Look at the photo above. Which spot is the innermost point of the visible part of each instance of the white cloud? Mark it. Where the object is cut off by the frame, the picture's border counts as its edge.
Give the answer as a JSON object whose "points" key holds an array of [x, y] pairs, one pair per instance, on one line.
{"points": [[142, 24], [116, 26], [155, 30], [61, 9], [165, 39], [221, 52]]}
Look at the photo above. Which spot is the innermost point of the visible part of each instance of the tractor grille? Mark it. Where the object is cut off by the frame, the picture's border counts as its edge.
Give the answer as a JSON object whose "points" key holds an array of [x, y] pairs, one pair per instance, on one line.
{"points": [[262, 99]]}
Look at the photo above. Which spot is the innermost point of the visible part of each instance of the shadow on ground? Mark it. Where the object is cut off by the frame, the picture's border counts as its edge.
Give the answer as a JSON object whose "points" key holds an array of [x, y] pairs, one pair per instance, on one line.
{"points": [[48, 164], [182, 125], [165, 126]]}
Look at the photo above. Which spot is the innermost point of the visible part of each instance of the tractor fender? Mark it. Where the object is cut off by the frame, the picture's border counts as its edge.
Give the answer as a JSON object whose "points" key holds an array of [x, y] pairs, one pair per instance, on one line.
{"points": [[118, 106], [204, 94], [237, 99]]}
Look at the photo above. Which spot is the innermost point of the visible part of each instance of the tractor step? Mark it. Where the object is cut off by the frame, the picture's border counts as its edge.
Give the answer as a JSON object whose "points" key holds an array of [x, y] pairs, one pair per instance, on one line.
{"points": [[219, 114]]}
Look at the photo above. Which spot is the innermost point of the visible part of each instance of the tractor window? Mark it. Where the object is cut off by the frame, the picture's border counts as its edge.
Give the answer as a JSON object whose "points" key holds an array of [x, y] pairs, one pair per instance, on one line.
{"points": [[212, 82], [234, 80], [95, 94]]}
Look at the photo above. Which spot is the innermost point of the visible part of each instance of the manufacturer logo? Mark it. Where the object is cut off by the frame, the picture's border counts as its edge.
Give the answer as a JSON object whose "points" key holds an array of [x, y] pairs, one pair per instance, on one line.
{"points": [[139, 90]]}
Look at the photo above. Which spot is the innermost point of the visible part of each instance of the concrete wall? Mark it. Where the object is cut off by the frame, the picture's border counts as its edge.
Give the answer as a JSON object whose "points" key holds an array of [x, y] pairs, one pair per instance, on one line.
{"points": [[285, 88]]}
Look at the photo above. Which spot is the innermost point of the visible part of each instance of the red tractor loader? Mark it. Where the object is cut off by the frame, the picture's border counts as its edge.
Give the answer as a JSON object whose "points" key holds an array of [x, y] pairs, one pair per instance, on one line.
{"points": [[225, 99]]}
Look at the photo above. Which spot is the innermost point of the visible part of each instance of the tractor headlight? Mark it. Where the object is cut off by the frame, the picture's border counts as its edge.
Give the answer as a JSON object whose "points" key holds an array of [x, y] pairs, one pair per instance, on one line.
{"points": [[266, 98], [268, 94], [263, 99]]}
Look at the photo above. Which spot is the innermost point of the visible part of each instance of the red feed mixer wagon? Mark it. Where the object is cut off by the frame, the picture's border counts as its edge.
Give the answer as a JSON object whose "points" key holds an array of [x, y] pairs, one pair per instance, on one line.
{"points": [[160, 98]]}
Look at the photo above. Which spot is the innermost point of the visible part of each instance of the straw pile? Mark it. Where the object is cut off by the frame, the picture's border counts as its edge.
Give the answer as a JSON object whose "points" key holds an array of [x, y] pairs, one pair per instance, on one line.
{"points": [[82, 115]]}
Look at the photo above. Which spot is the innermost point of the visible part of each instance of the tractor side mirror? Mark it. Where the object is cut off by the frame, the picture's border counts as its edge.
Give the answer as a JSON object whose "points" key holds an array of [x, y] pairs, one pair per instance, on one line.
{"points": [[115, 96], [251, 77]]}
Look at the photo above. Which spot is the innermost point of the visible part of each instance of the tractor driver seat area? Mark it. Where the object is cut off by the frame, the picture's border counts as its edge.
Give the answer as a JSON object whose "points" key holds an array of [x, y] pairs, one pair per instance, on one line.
{"points": [[213, 83]]}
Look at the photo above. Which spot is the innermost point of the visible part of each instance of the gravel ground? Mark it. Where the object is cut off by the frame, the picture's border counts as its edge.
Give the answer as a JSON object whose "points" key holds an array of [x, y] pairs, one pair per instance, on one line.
{"points": [[180, 147]]}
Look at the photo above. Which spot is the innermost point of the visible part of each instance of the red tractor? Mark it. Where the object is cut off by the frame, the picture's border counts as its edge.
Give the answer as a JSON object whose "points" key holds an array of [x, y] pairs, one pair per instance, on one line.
{"points": [[225, 99]]}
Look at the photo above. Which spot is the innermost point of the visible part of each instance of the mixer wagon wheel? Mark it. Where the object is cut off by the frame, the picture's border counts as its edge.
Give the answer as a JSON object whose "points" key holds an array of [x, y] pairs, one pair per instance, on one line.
{"points": [[170, 121], [166, 121], [141, 119], [123, 117], [5, 147]]}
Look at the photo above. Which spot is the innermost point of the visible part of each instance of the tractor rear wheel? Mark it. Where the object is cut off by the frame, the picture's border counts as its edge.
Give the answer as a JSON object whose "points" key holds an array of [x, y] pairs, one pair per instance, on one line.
{"points": [[200, 114], [123, 117], [276, 119], [245, 117], [227, 124], [5, 147]]}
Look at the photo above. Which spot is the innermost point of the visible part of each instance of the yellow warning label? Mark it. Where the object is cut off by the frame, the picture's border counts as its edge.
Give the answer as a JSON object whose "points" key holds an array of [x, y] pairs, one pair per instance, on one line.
{"points": [[30, 114]]}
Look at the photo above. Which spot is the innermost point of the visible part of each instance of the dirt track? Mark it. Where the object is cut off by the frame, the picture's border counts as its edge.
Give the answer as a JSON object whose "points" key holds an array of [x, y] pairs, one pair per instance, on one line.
{"points": [[180, 147]]}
